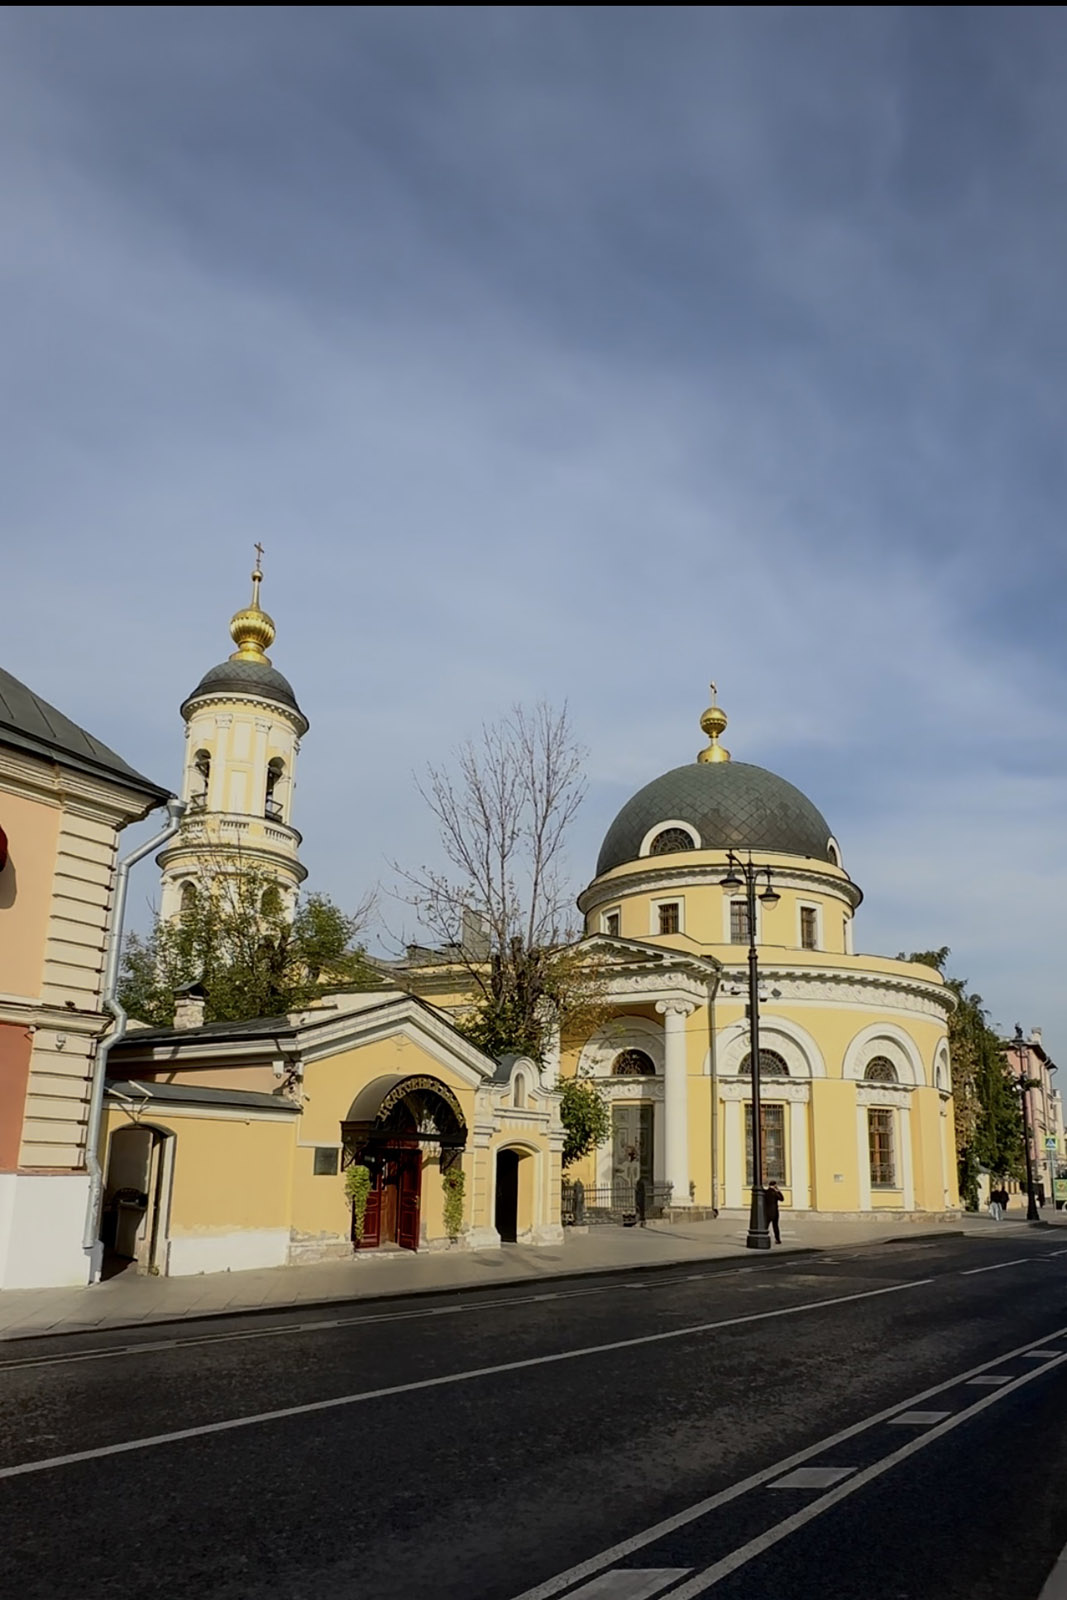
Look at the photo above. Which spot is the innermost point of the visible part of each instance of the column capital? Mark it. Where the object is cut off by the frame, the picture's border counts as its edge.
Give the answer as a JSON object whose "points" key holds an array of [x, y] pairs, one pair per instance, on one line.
{"points": [[675, 1008]]}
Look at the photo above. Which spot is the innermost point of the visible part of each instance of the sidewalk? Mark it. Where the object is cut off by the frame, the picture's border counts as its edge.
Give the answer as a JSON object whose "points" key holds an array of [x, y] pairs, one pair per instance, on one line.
{"points": [[129, 1300]]}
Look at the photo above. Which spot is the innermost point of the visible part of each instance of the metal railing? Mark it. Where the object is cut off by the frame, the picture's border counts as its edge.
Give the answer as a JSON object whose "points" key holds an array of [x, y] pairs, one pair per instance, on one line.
{"points": [[619, 1203]]}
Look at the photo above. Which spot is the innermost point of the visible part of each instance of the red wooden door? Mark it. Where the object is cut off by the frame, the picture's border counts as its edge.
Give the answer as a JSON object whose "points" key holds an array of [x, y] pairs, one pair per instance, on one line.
{"points": [[409, 1195]]}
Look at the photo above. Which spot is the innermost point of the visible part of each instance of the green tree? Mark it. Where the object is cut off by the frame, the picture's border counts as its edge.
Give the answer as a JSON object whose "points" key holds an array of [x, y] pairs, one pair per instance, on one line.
{"points": [[989, 1124], [235, 938], [585, 1116]]}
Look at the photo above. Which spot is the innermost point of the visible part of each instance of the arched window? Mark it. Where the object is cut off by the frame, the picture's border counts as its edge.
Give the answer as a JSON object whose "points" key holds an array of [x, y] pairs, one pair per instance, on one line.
{"points": [[271, 902], [275, 773], [519, 1093], [833, 855], [669, 841], [189, 898], [880, 1069], [771, 1065], [202, 768], [633, 1064]]}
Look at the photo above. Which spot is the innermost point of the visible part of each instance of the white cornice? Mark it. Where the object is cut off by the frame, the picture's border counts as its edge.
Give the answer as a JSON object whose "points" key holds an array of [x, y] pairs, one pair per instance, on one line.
{"points": [[707, 874]]}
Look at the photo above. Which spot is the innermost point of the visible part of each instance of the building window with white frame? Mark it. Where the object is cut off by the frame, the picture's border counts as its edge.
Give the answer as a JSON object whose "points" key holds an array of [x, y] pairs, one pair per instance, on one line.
{"points": [[612, 921], [772, 1121], [881, 1146], [738, 922], [880, 1069], [809, 928], [669, 916]]}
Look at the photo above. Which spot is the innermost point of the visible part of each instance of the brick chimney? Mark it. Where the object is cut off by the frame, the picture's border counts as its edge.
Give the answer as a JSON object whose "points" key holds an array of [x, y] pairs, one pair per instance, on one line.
{"points": [[189, 1002]]}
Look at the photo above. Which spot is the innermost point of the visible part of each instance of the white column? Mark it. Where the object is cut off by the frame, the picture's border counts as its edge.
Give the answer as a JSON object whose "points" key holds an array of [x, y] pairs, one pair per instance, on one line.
{"points": [[675, 1098], [798, 1156], [863, 1157]]}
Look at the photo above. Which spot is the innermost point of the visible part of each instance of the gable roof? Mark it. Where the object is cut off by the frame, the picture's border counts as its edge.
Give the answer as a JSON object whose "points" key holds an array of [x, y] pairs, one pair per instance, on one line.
{"points": [[29, 723]]}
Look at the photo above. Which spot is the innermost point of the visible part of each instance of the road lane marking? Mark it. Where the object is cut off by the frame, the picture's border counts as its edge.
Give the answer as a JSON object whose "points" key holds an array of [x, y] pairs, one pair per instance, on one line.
{"points": [[701, 1582], [681, 1519], [992, 1378], [630, 1583], [844, 1257], [997, 1266], [1040, 1355], [204, 1429], [812, 1478], [919, 1419]]}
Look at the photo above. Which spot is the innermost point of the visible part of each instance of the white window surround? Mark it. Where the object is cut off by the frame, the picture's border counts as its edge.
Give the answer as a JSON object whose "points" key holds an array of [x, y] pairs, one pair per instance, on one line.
{"points": [[661, 827], [605, 920], [669, 900], [833, 850], [730, 898], [793, 1043], [622, 1033], [885, 1039], [810, 905]]}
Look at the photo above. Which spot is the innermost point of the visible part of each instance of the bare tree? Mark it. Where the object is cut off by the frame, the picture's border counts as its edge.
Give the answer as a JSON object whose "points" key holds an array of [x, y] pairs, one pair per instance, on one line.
{"points": [[503, 913]]}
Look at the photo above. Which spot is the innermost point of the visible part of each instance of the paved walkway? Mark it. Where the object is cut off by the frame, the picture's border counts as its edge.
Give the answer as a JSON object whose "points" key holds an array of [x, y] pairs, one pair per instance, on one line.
{"points": [[130, 1300]]}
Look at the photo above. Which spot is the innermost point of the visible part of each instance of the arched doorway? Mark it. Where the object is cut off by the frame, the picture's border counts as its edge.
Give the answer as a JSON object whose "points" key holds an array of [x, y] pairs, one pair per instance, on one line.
{"points": [[390, 1124], [506, 1219]]}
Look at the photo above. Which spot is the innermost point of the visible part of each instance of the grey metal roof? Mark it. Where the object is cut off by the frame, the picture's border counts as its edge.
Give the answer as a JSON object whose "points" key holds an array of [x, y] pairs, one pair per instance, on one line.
{"points": [[208, 1033], [247, 677], [193, 1094], [29, 723], [731, 805]]}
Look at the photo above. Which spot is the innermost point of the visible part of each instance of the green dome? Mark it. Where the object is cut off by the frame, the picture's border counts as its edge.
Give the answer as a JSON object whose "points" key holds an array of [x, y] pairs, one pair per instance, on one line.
{"points": [[256, 678], [731, 806]]}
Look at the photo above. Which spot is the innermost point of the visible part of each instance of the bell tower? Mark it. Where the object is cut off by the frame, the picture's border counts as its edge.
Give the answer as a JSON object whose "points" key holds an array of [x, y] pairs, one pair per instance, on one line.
{"points": [[243, 728]]}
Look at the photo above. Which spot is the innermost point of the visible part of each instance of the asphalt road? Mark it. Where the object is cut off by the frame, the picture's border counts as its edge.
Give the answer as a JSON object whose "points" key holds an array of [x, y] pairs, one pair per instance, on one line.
{"points": [[884, 1422]]}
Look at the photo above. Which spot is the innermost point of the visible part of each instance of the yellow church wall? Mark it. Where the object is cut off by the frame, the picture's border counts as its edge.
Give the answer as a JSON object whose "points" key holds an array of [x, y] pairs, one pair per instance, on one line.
{"points": [[834, 1173], [319, 1207]]}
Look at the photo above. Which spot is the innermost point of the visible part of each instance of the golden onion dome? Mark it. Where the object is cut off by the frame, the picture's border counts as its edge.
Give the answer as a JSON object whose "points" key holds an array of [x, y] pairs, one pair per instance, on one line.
{"points": [[714, 723], [251, 629]]}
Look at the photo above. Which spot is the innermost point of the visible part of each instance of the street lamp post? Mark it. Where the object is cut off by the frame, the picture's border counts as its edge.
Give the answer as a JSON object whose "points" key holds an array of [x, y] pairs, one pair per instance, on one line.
{"points": [[1023, 1082], [745, 874]]}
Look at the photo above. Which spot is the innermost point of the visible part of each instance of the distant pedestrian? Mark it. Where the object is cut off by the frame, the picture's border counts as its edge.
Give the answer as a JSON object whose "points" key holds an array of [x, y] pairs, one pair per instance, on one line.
{"points": [[1003, 1197], [774, 1198], [996, 1210]]}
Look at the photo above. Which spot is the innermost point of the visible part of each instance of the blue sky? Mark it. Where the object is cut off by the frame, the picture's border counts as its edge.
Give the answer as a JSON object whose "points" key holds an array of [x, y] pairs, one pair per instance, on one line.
{"points": [[572, 353]]}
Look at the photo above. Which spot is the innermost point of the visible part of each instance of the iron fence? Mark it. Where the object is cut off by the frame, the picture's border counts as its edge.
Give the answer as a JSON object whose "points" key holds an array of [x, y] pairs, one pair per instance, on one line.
{"points": [[619, 1203]]}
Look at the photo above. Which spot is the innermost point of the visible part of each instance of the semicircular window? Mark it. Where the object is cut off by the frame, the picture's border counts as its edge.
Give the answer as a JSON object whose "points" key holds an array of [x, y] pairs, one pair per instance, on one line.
{"points": [[880, 1070], [771, 1065], [670, 840], [633, 1064]]}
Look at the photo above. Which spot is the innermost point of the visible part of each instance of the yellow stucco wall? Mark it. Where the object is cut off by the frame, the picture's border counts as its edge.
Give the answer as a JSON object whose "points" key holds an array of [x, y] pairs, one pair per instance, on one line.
{"points": [[32, 827]]}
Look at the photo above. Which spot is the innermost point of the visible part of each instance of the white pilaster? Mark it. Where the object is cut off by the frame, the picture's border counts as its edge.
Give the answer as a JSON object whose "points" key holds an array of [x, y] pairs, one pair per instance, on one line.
{"points": [[906, 1165], [863, 1157], [733, 1119], [675, 1098]]}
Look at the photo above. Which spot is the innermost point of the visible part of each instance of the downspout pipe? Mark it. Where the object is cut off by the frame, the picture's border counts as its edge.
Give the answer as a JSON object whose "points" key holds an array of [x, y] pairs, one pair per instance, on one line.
{"points": [[92, 1243]]}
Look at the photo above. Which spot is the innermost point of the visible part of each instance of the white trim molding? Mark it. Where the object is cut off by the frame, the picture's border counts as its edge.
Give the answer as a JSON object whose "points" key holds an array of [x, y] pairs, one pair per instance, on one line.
{"points": [[661, 827]]}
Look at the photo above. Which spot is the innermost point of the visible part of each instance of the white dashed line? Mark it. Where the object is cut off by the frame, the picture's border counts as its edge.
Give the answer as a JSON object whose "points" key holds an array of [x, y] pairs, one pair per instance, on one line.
{"points": [[630, 1583], [812, 1478]]}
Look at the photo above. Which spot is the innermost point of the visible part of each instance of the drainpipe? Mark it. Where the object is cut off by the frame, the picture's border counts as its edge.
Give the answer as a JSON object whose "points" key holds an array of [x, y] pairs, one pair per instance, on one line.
{"points": [[92, 1244]]}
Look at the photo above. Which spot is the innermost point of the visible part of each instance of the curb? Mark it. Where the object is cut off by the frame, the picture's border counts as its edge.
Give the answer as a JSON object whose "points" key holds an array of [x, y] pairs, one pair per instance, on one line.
{"points": [[723, 1263]]}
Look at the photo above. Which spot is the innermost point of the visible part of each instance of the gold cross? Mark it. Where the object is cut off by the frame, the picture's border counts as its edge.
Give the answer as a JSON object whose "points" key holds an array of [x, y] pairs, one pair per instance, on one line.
{"points": [[258, 548]]}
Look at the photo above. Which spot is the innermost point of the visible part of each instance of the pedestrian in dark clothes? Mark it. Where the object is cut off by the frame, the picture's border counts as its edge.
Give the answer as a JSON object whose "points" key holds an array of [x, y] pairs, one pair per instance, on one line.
{"points": [[774, 1198]]}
